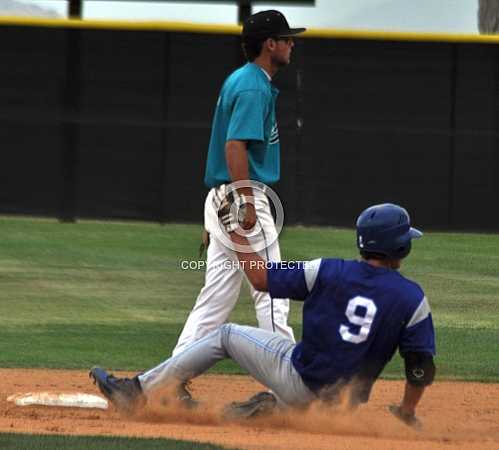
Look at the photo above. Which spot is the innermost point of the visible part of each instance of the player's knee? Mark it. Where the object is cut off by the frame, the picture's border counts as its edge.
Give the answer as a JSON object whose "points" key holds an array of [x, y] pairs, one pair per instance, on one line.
{"points": [[226, 329], [225, 332]]}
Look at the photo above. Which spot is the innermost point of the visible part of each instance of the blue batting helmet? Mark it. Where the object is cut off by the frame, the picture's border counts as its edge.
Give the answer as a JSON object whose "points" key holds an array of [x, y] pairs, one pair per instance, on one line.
{"points": [[385, 229]]}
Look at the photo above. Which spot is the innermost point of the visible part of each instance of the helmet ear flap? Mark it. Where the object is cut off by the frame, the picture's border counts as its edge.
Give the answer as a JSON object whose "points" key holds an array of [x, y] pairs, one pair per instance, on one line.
{"points": [[403, 250]]}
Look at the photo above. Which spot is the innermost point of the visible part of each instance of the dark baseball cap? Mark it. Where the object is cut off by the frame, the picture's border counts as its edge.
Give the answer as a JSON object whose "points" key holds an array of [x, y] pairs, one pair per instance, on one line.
{"points": [[265, 24]]}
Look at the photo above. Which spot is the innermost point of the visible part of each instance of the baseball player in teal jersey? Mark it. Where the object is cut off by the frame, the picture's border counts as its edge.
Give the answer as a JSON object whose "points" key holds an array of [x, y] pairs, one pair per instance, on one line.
{"points": [[244, 146]]}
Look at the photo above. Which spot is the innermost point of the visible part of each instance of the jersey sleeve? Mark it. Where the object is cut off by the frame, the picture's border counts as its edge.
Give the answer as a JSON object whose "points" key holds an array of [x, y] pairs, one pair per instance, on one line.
{"points": [[419, 334], [248, 117], [292, 279]]}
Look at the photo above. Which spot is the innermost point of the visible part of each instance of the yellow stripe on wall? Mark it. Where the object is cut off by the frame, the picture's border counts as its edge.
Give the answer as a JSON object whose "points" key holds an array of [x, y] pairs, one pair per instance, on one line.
{"points": [[122, 25], [187, 27]]}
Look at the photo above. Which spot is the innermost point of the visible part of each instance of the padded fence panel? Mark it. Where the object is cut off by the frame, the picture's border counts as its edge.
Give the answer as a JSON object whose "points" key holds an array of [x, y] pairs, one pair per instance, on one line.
{"points": [[377, 129], [476, 161], [121, 76], [477, 183], [371, 85], [477, 89], [184, 190], [375, 167], [32, 72], [32, 86], [119, 172], [30, 170]]}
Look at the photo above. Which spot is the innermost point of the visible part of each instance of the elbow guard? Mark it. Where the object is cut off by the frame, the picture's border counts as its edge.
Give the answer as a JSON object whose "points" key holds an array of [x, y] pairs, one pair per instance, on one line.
{"points": [[419, 368]]}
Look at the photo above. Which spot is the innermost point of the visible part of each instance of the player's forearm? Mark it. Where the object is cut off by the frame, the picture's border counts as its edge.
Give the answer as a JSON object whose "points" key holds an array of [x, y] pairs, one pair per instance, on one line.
{"points": [[236, 155], [412, 396], [254, 266]]}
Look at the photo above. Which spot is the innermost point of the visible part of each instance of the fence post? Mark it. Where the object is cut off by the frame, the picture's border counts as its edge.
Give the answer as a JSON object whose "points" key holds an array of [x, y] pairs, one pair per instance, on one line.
{"points": [[75, 9], [70, 127], [244, 10], [164, 211], [452, 137]]}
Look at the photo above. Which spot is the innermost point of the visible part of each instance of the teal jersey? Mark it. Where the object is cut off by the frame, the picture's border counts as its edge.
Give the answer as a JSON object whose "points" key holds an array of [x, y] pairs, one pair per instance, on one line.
{"points": [[245, 111]]}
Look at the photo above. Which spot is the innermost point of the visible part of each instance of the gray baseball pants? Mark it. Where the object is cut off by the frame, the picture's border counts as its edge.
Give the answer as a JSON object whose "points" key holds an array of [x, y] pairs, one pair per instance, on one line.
{"points": [[265, 355]]}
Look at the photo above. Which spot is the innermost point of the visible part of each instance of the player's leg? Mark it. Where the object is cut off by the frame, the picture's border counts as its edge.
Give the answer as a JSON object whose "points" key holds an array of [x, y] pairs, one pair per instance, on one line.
{"points": [[272, 314], [265, 355], [128, 394], [267, 358], [216, 298], [192, 361], [221, 288]]}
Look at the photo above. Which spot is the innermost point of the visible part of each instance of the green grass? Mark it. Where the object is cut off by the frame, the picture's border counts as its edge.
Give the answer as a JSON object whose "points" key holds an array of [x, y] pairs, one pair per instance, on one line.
{"points": [[38, 442], [109, 293]]}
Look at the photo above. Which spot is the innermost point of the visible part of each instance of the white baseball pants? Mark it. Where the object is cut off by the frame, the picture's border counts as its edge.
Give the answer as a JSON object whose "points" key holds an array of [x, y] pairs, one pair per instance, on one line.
{"points": [[223, 280]]}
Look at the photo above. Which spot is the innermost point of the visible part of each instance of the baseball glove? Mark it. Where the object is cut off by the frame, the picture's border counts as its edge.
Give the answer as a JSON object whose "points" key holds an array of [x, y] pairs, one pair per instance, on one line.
{"points": [[229, 205]]}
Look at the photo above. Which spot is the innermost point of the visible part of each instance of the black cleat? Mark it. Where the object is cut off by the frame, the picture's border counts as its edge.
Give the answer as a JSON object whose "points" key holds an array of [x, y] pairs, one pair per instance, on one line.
{"points": [[124, 393], [261, 404]]}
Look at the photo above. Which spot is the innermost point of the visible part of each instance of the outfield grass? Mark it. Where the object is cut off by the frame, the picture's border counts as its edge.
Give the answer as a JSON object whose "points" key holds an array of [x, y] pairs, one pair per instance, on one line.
{"points": [[38, 442], [114, 294]]}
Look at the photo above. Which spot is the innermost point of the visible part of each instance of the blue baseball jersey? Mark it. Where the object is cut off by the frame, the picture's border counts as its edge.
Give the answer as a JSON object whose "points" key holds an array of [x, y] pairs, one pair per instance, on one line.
{"points": [[355, 316], [245, 111]]}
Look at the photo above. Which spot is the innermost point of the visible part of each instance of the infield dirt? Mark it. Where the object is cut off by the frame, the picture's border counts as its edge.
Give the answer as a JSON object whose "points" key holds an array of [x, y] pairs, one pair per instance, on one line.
{"points": [[455, 416]]}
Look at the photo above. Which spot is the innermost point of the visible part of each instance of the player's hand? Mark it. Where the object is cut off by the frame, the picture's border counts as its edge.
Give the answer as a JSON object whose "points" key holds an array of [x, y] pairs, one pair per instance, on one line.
{"points": [[249, 219], [409, 419]]}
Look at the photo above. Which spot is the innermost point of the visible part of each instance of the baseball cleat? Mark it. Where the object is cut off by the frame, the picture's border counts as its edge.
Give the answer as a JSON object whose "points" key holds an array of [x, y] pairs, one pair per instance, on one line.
{"points": [[124, 393], [261, 404], [185, 397]]}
